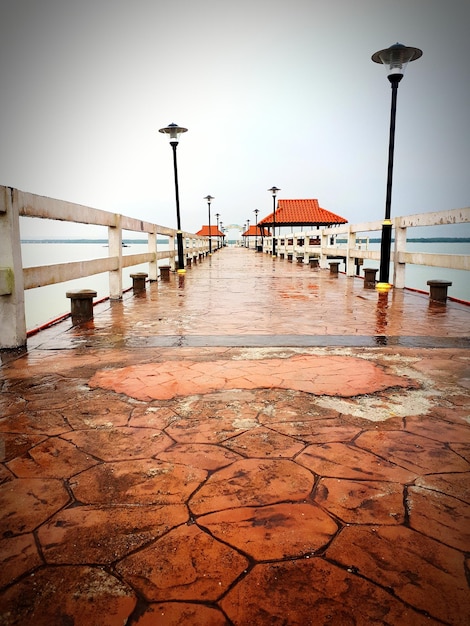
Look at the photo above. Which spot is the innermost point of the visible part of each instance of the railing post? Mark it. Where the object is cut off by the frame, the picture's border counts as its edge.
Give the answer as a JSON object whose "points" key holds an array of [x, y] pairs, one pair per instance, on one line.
{"points": [[324, 250], [350, 254], [12, 312], [399, 268], [172, 259], [153, 265], [115, 250]]}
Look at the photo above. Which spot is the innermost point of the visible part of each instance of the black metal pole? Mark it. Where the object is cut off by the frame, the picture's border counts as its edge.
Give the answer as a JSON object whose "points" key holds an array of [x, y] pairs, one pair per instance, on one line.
{"points": [[274, 224], [386, 241], [210, 234], [179, 234]]}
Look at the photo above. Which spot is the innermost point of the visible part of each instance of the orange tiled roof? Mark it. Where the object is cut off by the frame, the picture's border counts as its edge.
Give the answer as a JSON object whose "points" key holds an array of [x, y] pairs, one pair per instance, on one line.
{"points": [[254, 231], [214, 232], [302, 212]]}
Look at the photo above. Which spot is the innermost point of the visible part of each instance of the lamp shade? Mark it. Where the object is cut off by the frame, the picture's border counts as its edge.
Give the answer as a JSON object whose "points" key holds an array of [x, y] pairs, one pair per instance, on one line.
{"points": [[174, 131], [396, 58], [274, 190]]}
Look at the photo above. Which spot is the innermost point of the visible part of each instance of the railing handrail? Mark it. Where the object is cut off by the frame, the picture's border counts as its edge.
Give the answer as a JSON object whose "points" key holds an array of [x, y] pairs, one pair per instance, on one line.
{"points": [[399, 255], [15, 279]]}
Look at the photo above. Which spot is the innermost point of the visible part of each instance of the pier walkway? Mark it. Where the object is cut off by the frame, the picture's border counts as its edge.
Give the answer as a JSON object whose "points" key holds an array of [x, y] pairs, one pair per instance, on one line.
{"points": [[255, 443]]}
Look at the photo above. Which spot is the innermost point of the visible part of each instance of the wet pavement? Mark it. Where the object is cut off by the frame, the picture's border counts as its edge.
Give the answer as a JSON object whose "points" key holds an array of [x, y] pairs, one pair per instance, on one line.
{"points": [[255, 443]]}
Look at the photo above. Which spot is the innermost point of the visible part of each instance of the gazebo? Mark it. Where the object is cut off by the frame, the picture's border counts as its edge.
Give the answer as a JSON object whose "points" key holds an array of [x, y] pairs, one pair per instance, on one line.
{"points": [[213, 233], [301, 213], [256, 233]]}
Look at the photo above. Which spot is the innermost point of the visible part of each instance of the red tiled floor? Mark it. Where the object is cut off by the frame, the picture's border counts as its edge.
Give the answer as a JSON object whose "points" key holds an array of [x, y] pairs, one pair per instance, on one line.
{"points": [[430, 576], [343, 376], [272, 532], [191, 457]]}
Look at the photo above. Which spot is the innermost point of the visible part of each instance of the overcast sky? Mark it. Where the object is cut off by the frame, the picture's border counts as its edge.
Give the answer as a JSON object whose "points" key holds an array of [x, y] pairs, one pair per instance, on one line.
{"points": [[273, 92]]}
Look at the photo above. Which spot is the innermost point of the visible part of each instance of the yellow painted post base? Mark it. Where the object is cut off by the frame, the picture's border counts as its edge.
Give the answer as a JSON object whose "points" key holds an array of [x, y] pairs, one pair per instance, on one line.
{"points": [[383, 287], [181, 271]]}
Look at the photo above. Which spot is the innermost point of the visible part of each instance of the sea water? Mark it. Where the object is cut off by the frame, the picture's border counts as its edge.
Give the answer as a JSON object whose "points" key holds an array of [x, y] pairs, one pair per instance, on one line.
{"points": [[44, 304], [47, 303]]}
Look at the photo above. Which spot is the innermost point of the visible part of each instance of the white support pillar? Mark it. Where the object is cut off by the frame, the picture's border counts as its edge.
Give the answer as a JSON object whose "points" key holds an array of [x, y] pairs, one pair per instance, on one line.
{"points": [[172, 260], [115, 250], [153, 265], [399, 267], [12, 312], [351, 245], [323, 250]]}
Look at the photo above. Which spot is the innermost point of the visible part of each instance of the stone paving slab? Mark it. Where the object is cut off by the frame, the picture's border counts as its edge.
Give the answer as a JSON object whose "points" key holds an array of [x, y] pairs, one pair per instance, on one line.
{"points": [[233, 484]]}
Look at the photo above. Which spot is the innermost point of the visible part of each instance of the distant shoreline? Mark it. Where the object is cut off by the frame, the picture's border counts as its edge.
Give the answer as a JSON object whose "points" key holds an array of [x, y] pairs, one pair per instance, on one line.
{"points": [[162, 241], [101, 241]]}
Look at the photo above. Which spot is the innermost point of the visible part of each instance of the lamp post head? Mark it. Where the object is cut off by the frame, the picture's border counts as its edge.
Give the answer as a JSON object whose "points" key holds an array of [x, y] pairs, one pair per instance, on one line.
{"points": [[256, 211], [396, 58], [209, 199], [274, 190], [174, 131]]}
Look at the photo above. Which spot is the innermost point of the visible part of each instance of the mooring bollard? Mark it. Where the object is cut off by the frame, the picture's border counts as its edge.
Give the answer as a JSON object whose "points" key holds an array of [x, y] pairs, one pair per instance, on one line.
{"points": [[165, 272], [300, 260], [334, 265], [314, 263], [138, 281], [81, 304], [438, 290], [369, 277], [290, 257], [189, 261]]}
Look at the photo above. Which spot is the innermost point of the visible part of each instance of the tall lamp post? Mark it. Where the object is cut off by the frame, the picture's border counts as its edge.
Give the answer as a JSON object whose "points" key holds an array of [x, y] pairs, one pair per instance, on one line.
{"points": [[274, 191], [217, 215], [175, 132], [256, 211], [248, 234], [209, 200], [395, 59]]}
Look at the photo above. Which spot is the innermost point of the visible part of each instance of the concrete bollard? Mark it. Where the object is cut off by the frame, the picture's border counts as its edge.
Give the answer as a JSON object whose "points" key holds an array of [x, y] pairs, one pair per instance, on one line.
{"points": [[334, 265], [81, 304], [138, 281], [165, 273], [438, 290], [369, 277]]}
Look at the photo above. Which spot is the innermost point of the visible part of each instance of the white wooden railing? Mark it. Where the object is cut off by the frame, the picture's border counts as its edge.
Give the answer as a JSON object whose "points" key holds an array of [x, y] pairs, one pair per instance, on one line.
{"points": [[305, 245], [14, 279]]}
